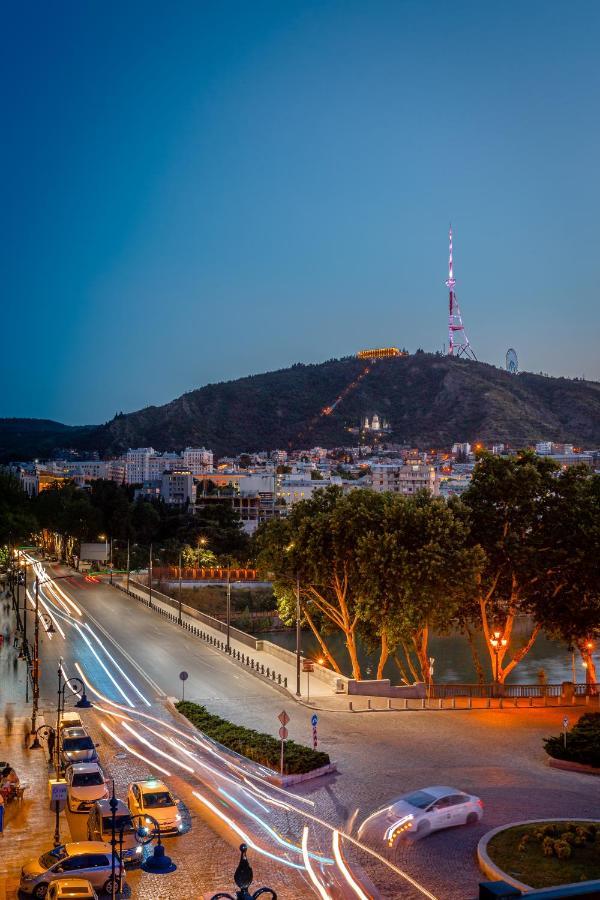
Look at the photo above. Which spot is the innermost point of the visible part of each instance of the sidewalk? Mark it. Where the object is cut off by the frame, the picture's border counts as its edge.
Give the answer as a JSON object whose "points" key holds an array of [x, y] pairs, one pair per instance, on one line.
{"points": [[28, 824]]}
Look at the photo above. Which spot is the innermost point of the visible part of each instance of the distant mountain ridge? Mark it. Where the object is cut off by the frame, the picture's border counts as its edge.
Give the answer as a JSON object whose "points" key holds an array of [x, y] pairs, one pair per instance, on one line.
{"points": [[428, 400]]}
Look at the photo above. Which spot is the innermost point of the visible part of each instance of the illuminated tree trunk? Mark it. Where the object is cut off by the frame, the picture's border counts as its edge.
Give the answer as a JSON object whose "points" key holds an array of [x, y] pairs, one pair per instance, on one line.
{"points": [[326, 653], [588, 661], [383, 655]]}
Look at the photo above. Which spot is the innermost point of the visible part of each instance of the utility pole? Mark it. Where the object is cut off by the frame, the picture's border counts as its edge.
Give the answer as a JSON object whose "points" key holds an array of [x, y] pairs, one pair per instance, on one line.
{"points": [[150, 579], [36, 659], [228, 604], [179, 616], [298, 637], [128, 564]]}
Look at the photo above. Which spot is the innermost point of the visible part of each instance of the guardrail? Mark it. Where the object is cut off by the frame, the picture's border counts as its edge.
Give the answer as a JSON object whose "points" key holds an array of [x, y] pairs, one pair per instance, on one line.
{"points": [[244, 658]]}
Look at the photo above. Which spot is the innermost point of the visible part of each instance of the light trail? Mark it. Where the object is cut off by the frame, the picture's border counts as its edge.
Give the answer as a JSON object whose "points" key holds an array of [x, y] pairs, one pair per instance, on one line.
{"points": [[322, 859], [116, 684], [309, 868], [341, 862], [133, 752], [53, 619], [156, 750], [245, 837], [116, 665]]}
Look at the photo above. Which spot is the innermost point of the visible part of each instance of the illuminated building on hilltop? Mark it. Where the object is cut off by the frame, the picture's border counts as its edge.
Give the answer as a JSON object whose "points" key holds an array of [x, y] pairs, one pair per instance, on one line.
{"points": [[380, 353]]}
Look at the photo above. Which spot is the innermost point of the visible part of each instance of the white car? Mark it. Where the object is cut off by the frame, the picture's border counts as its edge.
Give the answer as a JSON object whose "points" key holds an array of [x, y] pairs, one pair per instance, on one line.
{"points": [[71, 889], [85, 785], [152, 799], [415, 815]]}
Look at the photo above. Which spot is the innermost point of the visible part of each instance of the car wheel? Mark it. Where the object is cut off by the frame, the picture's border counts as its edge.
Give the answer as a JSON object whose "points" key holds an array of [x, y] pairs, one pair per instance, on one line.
{"points": [[472, 818], [40, 890], [108, 887]]}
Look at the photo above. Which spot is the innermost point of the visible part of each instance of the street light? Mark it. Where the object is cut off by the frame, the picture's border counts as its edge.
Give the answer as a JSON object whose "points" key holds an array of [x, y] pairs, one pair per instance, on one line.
{"points": [[498, 642], [243, 878]]}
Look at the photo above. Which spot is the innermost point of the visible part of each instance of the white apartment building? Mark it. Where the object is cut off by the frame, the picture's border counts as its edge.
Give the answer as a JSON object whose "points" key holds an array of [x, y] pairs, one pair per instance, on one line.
{"points": [[84, 471], [406, 478], [162, 462], [198, 460], [279, 457], [464, 448], [178, 487], [137, 463], [547, 448], [296, 486]]}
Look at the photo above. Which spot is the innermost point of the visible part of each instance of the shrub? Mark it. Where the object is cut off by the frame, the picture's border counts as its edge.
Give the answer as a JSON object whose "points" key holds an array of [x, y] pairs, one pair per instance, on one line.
{"points": [[562, 849], [548, 846], [262, 748], [583, 742]]}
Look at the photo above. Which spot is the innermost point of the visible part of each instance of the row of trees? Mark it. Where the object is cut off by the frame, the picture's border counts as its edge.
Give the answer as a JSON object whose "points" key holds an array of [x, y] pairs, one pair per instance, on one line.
{"points": [[109, 509], [523, 540]]}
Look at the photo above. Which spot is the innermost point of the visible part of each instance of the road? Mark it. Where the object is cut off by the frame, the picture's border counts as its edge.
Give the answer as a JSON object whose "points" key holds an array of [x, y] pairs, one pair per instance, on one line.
{"points": [[128, 678], [497, 755]]}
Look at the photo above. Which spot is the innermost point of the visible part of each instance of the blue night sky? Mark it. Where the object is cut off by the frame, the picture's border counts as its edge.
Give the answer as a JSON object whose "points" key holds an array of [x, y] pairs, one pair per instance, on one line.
{"points": [[199, 191]]}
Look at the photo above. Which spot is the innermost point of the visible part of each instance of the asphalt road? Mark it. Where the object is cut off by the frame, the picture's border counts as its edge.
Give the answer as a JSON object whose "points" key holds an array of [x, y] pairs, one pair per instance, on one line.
{"points": [[496, 755]]}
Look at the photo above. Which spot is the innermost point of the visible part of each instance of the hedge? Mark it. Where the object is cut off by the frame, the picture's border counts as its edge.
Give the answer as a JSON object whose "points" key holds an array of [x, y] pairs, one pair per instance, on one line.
{"points": [[261, 748], [583, 742]]}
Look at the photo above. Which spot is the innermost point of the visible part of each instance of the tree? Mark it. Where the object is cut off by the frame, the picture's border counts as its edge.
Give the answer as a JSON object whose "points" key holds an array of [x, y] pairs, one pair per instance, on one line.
{"points": [[506, 500], [566, 600], [317, 544], [17, 518], [417, 573]]}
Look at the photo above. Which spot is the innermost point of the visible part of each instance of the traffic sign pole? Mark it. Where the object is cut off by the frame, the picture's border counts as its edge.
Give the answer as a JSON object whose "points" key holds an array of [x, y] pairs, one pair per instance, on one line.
{"points": [[183, 676], [283, 733], [565, 726], [313, 722]]}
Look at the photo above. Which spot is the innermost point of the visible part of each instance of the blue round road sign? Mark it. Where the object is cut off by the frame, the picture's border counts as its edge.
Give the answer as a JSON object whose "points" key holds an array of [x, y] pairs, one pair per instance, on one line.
{"points": [[184, 676], [314, 720]]}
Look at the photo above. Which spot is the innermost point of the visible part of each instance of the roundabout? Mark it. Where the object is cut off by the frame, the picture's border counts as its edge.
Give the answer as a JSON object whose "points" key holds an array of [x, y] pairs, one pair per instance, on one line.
{"points": [[542, 853]]}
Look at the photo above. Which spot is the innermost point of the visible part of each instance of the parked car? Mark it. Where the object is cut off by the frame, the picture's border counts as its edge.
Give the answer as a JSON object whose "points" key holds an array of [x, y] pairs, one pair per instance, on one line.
{"points": [[75, 746], [85, 785], [99, 828], [71, 889], [416, 814], [153, 798], [88, 860], [69, 719]]}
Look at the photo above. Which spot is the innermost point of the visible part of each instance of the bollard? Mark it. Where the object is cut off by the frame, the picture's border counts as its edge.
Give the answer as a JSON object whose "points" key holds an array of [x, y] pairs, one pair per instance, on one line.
{"points": [[279, 678], [350, 706], [454, 703], [389, 703], [423, 703], [531, 701], [268, 673], [470, 703], [368, 703], [405, 703], [285, 681], [440, 703]]}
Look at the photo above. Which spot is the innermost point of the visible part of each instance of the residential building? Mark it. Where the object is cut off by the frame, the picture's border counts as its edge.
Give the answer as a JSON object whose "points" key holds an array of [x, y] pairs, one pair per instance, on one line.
{"points": [[178, 487], [198, 460], [404, 478], [137, 464]]}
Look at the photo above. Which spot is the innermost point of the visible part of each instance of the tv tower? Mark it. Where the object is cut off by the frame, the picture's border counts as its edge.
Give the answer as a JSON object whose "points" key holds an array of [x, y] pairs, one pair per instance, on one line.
{"points": [[458, 342]]}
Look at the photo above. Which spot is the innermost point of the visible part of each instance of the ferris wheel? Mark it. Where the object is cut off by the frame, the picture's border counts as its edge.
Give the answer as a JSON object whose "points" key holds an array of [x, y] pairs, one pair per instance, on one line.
{"points": [[512, 363]]}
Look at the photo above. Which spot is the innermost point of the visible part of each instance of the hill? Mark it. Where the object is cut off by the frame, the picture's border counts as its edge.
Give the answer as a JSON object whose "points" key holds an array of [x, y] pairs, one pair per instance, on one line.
{"points": [[428, 400]]}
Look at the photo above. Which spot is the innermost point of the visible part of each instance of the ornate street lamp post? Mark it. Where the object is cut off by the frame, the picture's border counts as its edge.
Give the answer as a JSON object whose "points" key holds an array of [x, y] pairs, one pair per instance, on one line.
{"points": [[243, 877], [497, 642]]}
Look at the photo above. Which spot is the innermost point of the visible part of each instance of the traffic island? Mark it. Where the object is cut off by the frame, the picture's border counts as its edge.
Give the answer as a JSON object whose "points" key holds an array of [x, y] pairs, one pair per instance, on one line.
{"points": [[577, 750], [542, 853], [300, 763]]}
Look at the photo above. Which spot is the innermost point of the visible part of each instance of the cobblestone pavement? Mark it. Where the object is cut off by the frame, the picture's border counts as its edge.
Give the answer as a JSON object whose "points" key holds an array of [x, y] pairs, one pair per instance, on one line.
{"points": [[495, 754]]}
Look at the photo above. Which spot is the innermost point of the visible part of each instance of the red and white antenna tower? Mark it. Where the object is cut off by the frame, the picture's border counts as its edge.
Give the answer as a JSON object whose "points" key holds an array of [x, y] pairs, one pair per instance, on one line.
{"points": [[458, 342]]}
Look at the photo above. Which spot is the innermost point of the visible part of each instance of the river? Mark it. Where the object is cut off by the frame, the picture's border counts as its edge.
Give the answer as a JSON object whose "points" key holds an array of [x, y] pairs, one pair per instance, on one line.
{"points": [[452, 654]]}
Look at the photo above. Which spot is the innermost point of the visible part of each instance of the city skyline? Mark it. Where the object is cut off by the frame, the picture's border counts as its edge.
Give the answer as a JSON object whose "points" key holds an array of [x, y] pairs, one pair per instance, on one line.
{"points": [[198, 194]]}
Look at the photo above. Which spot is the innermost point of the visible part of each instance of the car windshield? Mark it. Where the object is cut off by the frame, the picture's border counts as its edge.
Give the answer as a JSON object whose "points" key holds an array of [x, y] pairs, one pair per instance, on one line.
{"points": [[87, 779], [157, 799], [53, 856], [82, 743], [121, 823], [420, 799]]}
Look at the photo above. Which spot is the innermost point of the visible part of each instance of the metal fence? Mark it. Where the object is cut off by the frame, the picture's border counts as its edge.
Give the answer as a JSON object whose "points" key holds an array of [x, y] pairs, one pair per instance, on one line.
{"points": [[514, 691]]}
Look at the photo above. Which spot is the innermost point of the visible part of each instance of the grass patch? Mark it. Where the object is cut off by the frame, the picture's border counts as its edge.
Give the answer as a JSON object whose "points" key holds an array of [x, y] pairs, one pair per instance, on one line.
{"points": [[262, 748], [548, 853]]}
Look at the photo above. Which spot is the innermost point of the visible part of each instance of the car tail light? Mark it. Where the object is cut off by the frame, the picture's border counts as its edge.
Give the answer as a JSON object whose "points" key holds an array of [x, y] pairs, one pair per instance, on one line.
{"points": [[480, 803]]}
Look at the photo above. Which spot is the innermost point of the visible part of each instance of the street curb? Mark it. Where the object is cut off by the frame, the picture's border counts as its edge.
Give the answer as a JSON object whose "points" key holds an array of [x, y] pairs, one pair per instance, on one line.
{"points": [[567, 765], [494, 872]]}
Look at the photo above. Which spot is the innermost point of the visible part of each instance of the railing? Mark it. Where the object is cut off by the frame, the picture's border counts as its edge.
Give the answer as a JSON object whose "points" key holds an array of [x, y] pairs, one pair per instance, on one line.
{"points": [[514, 691], [244, 658], [205, 573]]}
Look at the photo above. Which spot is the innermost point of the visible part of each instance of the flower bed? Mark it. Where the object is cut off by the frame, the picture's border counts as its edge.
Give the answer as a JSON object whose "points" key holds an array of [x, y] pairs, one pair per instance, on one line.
{"points": [[544, 854], [262, 748], [583, 742]]}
